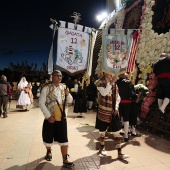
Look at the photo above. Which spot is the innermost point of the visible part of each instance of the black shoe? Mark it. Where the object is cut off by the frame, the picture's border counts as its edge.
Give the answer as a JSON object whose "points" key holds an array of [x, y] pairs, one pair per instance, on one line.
{"points": [[102, 150], [161, 115], [67, 164], [5, 115], [121, 133], [123, 156], [126, 139], [48, 156], [136, 135], [79, 116]]}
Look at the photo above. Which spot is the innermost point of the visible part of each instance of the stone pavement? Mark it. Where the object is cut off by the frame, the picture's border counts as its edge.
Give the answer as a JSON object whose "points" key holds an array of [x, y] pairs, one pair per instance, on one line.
{"points": [[21, 146]]}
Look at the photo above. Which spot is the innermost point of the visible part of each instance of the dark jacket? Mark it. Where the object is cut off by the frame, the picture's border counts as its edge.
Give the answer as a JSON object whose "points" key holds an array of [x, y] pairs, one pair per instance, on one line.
{"points": [[162, 66], [91, 92], [5, 88], [126, 89], [80, 105]]}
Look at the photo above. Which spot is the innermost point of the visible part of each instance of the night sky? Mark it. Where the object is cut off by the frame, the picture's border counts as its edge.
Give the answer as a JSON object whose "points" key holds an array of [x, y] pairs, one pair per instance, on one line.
{"points": [[24, 26]]}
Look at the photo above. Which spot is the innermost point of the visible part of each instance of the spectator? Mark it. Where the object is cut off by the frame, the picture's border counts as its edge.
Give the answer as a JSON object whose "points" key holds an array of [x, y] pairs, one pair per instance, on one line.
{"points": [[5, 93], [91, 94], [24, 100], [80, 105]]}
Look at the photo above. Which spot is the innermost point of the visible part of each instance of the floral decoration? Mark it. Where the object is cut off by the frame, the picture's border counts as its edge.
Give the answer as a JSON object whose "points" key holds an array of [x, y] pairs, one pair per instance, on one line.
{"points": [[141, 90], [150, 96], [151, 44]]}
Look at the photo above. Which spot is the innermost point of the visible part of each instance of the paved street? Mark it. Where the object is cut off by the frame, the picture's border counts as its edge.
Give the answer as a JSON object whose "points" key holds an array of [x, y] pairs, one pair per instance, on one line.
{"points": [[21, 146]]}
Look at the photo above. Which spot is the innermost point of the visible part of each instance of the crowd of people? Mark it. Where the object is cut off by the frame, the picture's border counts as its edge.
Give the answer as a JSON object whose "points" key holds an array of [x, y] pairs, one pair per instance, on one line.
{"points": [[23, 94], [55, 96], [112, 98], [115, 103]]}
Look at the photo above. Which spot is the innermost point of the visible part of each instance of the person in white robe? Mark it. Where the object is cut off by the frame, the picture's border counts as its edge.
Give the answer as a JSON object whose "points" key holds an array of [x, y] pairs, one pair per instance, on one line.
{"points": [[24, 101]]}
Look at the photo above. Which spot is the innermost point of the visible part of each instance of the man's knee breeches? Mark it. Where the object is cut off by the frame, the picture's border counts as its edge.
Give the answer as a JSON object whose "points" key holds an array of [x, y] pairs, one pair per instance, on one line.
{"points": [[117, 139]]}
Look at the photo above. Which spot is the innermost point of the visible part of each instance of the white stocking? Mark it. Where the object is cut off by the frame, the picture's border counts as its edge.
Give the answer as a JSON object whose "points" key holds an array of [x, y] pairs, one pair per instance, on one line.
{"points": [[160, 101], [165, 103], [126, 128], [133, 130], [90, 104]]}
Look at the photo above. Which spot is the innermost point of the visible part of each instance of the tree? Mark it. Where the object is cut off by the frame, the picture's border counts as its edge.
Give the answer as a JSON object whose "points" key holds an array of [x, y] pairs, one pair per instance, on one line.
{"points": [[30, 71]]}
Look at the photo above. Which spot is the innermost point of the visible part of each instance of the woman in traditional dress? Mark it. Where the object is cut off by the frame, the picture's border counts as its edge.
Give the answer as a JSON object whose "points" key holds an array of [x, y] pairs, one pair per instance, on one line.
{"points": [[80, 105], [24, 100]]}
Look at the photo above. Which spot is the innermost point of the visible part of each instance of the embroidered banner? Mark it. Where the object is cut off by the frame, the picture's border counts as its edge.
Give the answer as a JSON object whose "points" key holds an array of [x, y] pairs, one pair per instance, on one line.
{"points": [[72, 49], [116, 48]]}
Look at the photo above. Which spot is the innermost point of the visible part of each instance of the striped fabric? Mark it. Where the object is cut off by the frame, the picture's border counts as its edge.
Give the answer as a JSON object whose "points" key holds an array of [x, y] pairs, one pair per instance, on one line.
{"points": [[106, 103], [132, 57]]}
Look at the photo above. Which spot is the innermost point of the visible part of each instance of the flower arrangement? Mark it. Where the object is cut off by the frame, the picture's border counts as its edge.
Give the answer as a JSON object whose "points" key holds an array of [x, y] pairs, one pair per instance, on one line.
{"points": [[151, 43], [141, 90], [150, 96]]}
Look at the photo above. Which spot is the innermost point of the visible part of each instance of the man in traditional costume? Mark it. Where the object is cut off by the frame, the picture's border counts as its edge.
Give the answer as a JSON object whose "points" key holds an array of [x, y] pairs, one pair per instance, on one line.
{"points": [[127, 106], [107, 116], [52, 103], [162, 71]]}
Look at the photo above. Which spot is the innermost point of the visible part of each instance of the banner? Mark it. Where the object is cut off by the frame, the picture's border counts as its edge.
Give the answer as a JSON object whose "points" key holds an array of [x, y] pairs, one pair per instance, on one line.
{"points": [[91, 48], [72, 49], [50, 57], [116, 50]]}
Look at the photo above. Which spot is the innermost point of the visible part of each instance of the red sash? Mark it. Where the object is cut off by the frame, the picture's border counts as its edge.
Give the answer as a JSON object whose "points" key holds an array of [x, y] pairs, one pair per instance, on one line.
{"points": [[125, 101], [164, 75]]}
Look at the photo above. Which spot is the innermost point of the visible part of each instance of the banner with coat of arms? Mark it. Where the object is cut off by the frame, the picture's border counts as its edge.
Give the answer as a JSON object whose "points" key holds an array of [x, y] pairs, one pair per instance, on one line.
{"points": [[118, 49], [72, 49]]}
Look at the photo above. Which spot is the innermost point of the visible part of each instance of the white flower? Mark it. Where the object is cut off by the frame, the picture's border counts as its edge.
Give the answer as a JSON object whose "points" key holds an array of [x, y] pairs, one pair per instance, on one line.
{"points": [[152, 3]]}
